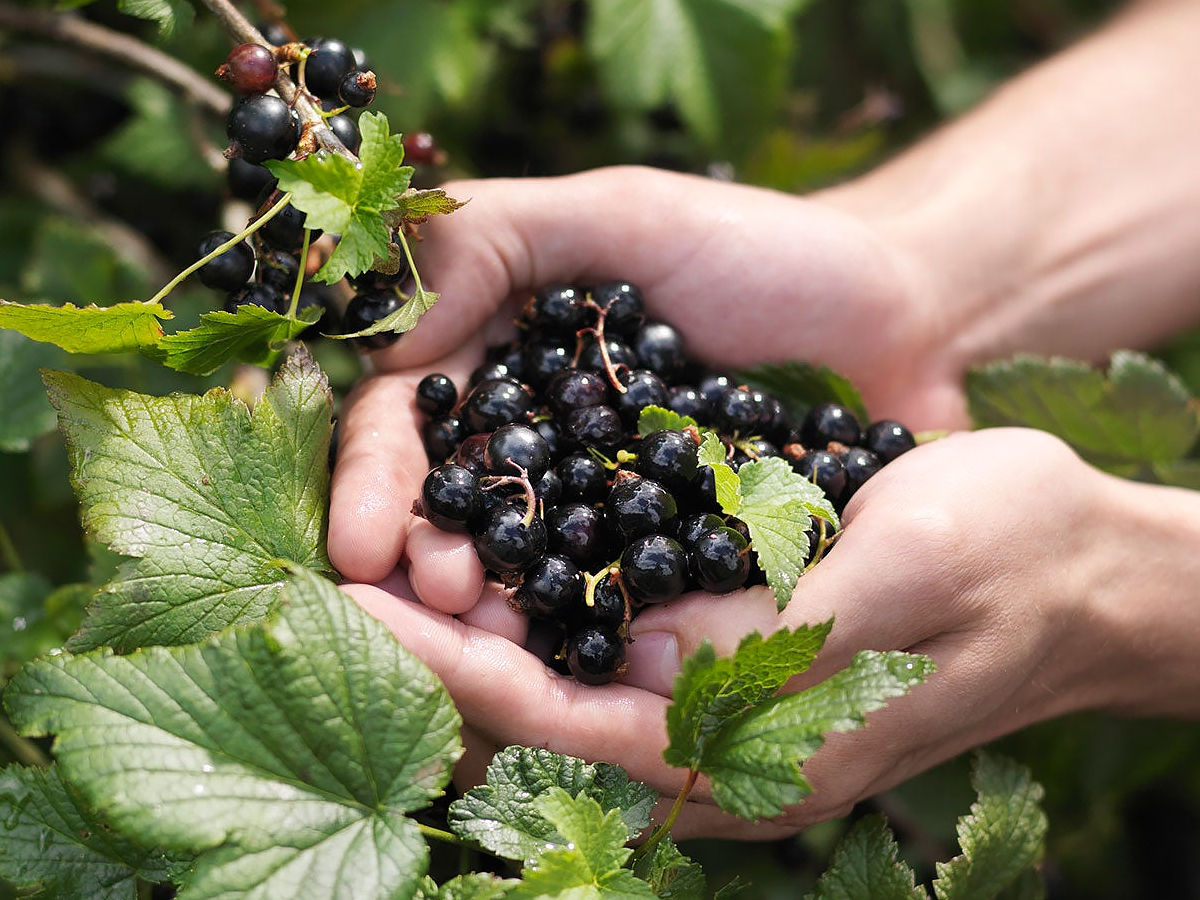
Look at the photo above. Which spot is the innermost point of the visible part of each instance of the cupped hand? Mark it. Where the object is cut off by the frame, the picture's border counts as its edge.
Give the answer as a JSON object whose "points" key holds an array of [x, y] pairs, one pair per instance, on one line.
{"points": [[999, 554], [746, 275]]}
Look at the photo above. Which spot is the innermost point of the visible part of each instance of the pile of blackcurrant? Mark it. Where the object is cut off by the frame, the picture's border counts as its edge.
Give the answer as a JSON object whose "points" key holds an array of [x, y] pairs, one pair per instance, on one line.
{"points": [[262, 126], [585, 521]]}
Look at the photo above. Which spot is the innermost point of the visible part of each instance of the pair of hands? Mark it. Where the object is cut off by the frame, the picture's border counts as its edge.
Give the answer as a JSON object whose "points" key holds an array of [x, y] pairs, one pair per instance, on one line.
{"points": [[978, 550]]}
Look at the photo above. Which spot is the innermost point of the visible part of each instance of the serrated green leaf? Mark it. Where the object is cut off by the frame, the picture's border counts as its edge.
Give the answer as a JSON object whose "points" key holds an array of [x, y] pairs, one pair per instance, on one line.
{"points": [[171, 15], [697, 54], [800, 386], [728, 486], [499, 816], [282, 754], [472, 886], [776, 505], [402, 320], [1001, 838], [25, 414], [49, 839], [350, 200], [710, 692], [670, 874], [414, 207], [865, 867], [25, 631], [588, 860], [87, 329], [655, 418], [754, 762], [204, 494], [1137, 417], [251, 334]]}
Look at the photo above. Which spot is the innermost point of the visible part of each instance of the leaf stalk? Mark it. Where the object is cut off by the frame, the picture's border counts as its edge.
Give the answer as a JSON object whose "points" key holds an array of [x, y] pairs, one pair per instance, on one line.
{"points": [[669, 822]]}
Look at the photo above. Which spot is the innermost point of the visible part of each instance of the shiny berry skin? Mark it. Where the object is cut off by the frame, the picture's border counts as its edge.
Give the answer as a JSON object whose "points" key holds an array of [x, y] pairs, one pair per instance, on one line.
{"points": [[713, 386], [860, 465], [737, 409], [888, 439], [552, 589], [470, 453], [347, 131], [688, 401], [825, 470], [829, 423], [274, 32], [254, 295], [436, 394], [488, 371], [576, 389], [548, 488], [420, 149], [640, 507], [372, 279], [689, 528], [576, 531], [264, 127], [583, 478], [247, 180], [596, 426], [507, 543], [608, 605], [659, 347], [441, 437], [513, 446], [496, 402], [720, 560], [543, 358], [623, 305], [326, 66], [364, 311], [551, 435], [642, 388], [285, 229], [669, 457], [449, 497], [278, 269], [654, 569], [231, 269], [558, 310], [619, 354], [357, 88], [249, 69], [595, 654]]}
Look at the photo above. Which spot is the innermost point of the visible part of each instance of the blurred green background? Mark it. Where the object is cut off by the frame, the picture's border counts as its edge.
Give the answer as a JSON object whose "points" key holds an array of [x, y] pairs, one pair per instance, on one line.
{"points": [[110, 179]]}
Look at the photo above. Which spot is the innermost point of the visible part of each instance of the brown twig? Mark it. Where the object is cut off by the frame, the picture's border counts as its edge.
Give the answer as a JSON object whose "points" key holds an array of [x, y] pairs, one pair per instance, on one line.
{"points": [[71, 29]]}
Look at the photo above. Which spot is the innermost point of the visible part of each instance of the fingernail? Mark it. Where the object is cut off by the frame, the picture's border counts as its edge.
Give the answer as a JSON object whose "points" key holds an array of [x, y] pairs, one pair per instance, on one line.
{"points": [[653, 662]]}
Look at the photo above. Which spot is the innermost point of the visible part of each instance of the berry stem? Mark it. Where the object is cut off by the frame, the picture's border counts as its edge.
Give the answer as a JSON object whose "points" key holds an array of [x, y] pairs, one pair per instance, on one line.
{"points": [[25, 751], [495, 481], [665, 828], [232, 242], [300, 273], [8, 551], [592, 580], [446, 837], [412, 265]]}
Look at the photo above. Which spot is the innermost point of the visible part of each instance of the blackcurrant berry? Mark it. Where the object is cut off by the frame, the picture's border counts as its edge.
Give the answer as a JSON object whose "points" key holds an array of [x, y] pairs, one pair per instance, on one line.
{"points": [[254, 295], [623, 305], [608, 605], [825, 470], [247, 180], [888, 439], [510, 540], [712, 386], [829, 423], [596, 426], [860, 465], [720, 560], [654, 569], [639, 507], [284, 230], [659, 347], [326, 66], [364, 311], [552, 589], [231, 269], [442, 437], [595, 654], [558, 310], [264, 127], [274, 32], [544, 358], [691, 527], [642, 388], [688, 401], [551, 435], [737, 409], [249, 69], [487, 371], [576, 531], [548, 488], [449, 497], [436, 394], [365, 281], [516, 446], [669, 457], [496, 402], [583, 478], [347, 131], [470, 453], [620, 355], [575, 389], [278, 269], [357, 88]]}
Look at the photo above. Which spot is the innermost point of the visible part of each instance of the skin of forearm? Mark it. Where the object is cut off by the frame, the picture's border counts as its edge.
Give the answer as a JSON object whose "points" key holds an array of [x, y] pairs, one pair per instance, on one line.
{"points": [[1063, 215]]}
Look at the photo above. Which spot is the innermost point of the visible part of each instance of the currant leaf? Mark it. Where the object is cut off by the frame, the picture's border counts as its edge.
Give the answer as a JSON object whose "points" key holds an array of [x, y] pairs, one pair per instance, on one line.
{"points": [[670, 874], [729, 487], [205, 495], [281, 754], [347, 199], [800, 386], [251, 334], [402, 320], [88, 329], [414, 207], [170, 15], [23, 612], [655, 418], [865, 867], [472, 886], [25, 414]]}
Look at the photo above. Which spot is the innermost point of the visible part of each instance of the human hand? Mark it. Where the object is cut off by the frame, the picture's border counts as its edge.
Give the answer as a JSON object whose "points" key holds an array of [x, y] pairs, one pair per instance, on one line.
{"points": [[746, 275], [999, 554]]}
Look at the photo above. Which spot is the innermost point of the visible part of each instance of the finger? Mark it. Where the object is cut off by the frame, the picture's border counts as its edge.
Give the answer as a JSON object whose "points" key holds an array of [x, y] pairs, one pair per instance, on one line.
{"points": [[494, 614], [444, 568], [471, 769], [703, 820]]}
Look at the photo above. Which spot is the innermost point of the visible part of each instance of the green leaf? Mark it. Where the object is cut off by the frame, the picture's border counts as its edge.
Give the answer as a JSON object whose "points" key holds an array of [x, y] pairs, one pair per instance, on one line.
{"points": [[349, 200], [414, 207], [711, 692], [1003, 836], [670, 874], [865, 867], [25, 631], [698, 54], [776, 505], [655, 418], [588, 862], [728, 485], [87, 329], [800, 386], [1137, 417], [402, 320], [472, 886], [282, 754], [251, 334], [25, 413], [49, 839], [499, 816], [171, 15], [204, 494], [754, 762]]}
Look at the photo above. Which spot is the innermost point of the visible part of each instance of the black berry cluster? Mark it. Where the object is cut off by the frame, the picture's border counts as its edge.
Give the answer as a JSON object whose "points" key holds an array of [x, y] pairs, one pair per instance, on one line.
{"points": [[539, 459]]}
